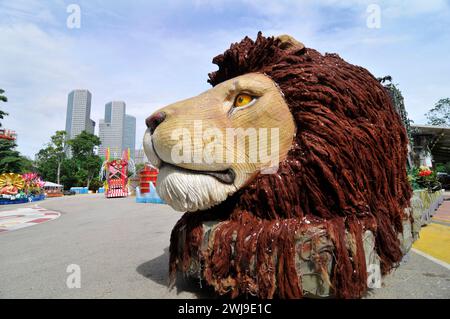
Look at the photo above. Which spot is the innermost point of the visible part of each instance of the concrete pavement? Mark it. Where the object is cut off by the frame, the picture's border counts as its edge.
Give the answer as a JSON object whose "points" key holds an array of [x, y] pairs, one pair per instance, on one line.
{"points": [[121, 248]]}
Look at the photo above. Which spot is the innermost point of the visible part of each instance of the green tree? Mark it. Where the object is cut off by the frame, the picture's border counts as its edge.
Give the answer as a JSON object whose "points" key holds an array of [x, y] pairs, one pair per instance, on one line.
{"points": [[139, 167], [69, 171], [3, 98], [58, 148], [443, 167], [96, 183], [399, 103], [440, 113], [28, 165], [92, 166], [88, 163], [51, 157], [10, 159], [46, 164], [83, 144]]}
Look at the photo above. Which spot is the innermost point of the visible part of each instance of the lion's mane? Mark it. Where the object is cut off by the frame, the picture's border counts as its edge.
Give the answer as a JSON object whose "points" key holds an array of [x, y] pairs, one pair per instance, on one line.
{"points": [[345, 172]]}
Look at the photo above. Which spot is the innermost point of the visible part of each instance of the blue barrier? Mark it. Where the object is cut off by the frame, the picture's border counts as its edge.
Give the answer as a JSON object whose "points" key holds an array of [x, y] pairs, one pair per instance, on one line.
{"points": [[80, 190], [31, 198], [151, 197], [101, 190]]}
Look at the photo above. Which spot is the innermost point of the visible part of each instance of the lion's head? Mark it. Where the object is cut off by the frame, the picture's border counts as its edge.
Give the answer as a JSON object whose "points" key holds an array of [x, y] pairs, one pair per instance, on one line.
{"points": [[209, 146], [340, 164]]}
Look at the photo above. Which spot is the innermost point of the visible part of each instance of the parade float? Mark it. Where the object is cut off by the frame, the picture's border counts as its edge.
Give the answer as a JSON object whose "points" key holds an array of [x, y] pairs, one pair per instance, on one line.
{"points": [[114, 173], [146, 191], [329, 218], [20, 188]]}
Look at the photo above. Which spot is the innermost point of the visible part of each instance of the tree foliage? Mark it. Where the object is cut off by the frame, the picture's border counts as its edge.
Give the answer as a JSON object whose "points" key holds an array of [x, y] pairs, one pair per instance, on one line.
{"points": [[443, 167], [51, 157], [440, 113], [46, 165], [399, 104], [88, 162], [139, 167], [10, 159], [78, 170], [83, 145]]}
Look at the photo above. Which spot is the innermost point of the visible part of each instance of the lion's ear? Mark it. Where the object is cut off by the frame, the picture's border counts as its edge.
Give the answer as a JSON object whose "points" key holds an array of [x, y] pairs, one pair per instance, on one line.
{"points": [[289, 43]]}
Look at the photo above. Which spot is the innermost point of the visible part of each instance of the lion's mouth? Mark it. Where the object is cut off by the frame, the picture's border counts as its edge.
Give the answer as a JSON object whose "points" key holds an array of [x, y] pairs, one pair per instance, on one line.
{"points": [[226, 176]]}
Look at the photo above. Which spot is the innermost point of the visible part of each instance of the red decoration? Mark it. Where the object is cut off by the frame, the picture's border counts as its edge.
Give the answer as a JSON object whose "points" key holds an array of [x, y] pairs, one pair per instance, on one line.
{"points": [[146, 176], [425, 173], [117, 177]]}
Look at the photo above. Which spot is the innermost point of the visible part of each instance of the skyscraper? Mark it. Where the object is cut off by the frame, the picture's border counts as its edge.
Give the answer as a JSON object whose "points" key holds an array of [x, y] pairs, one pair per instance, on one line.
{"points": [[117, 130], [129, 134], [78, 117]]}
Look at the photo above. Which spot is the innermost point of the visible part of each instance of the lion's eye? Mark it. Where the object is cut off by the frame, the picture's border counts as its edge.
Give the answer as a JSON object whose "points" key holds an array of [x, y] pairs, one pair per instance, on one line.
{"points": [[243, 99]]}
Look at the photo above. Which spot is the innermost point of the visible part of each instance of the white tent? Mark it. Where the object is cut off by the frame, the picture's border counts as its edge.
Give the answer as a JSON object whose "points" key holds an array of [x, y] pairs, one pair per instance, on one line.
{"points": [[50, 184], [53, 189]]}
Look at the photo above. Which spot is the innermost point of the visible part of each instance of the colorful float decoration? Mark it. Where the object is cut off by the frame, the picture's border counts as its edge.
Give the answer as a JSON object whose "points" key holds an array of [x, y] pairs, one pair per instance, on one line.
{"points": [[147, 175], [11, 183], [6, 134], [17, 188], [115, 174], [146, 191]]}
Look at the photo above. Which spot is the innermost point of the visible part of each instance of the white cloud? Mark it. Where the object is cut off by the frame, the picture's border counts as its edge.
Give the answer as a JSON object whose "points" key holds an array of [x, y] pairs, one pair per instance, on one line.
{"points": [[137, 55], [30, 11], [36, 68], [411, 8]]}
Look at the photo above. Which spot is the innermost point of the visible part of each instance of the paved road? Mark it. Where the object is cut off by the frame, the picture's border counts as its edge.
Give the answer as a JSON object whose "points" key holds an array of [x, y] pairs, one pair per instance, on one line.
{"points": [[122, 250]]}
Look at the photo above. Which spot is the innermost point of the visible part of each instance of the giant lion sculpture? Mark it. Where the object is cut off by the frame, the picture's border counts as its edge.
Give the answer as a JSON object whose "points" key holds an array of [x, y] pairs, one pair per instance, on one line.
{"points": [[329, 218]]}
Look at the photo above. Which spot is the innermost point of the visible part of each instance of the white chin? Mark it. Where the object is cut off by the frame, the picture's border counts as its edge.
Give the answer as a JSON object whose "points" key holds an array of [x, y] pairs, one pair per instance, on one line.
{"points": [[187, 191]]}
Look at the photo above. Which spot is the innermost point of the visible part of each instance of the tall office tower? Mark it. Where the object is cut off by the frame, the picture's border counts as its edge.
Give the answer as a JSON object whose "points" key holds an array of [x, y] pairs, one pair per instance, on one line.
{"points": [[117, 130], [78, 114], [111, 129], [129, 134]]}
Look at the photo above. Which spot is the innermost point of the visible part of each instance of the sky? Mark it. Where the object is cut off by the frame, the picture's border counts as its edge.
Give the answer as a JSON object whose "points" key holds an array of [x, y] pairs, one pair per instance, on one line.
{"points": [[153, 53]]}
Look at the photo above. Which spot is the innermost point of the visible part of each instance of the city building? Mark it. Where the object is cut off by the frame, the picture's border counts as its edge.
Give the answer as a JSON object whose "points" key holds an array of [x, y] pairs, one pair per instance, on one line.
{"points": [[117, 131], [140, 157], [78, 116], [129, 134], [79, 113]]}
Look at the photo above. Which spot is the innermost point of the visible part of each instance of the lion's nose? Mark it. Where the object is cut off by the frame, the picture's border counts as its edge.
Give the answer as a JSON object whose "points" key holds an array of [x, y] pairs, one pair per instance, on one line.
{"points": [[154, 120]]}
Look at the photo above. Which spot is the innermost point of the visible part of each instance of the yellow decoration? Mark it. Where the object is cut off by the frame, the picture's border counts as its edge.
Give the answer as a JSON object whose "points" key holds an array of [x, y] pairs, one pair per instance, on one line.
{"points": [[11, 179]]}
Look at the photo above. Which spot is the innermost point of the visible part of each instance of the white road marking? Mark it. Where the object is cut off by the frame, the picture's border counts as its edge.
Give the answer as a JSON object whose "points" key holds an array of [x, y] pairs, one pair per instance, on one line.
{"points": [[25, 217], [431, 258]]}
